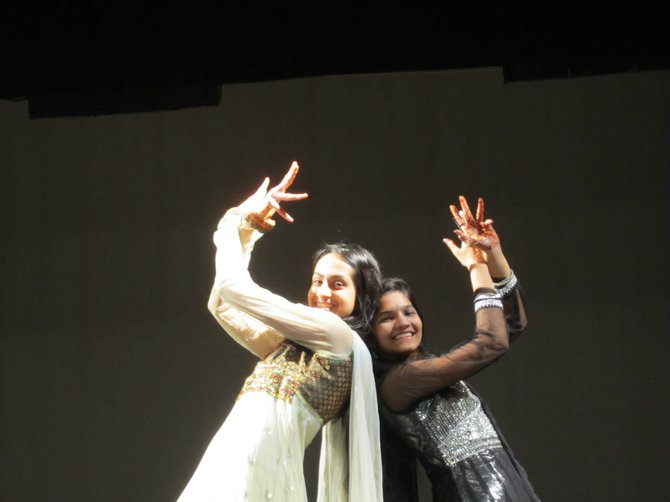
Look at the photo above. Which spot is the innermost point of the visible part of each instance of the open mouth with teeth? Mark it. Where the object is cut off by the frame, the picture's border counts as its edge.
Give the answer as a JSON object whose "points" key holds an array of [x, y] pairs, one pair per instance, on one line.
{"points": [[403, 336]]}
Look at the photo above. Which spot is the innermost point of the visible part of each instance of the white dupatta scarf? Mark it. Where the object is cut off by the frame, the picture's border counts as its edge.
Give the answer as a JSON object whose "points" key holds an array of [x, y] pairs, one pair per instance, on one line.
{"points": [[352, 471]]}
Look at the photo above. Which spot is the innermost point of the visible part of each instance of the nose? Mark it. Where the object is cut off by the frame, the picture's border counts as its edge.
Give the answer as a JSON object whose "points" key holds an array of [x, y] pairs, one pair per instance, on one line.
{"points": [[323, 291], [401, 322]]}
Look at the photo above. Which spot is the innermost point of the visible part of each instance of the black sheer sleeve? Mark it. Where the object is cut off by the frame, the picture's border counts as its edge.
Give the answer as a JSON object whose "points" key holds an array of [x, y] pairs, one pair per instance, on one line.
{"points": [[513, 305], [414, 379]]}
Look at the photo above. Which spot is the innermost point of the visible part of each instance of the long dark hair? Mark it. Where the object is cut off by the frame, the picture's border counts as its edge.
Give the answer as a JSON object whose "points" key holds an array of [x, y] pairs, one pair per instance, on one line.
{"points": [[367, 280]]}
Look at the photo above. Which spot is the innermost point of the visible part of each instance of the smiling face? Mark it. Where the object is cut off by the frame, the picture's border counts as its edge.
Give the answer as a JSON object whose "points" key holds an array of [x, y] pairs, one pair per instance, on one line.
{"points": [[398, 328], [333, 287]]}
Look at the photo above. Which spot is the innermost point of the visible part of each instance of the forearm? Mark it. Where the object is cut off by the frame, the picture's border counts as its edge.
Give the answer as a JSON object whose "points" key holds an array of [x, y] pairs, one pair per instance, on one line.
{"points": [[414, 380], [253, 335], [513, 305], [234, 240], [498, 266], [315, 329], [480, 278]]}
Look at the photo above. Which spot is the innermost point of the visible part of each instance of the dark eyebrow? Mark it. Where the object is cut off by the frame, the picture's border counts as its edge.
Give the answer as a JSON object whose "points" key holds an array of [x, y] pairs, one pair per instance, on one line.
{"points": [[334, 276], [395, 309]]}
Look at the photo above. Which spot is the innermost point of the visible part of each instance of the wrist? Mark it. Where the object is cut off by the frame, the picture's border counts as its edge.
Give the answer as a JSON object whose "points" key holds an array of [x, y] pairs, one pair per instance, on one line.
{"points": [[234, 213], [497, 262], [485, 299], [249, 220], [259, 221], [506, 286], [477, 265], [480, 277]]}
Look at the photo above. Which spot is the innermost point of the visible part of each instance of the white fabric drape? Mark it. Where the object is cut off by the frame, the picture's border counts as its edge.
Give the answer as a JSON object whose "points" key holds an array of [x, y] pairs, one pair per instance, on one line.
{"points": [[364, 467]]}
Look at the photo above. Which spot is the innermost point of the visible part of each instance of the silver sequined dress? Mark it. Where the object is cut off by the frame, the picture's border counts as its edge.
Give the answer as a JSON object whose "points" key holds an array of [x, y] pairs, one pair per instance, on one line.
{"points": [[461, 449], [441, 421]]}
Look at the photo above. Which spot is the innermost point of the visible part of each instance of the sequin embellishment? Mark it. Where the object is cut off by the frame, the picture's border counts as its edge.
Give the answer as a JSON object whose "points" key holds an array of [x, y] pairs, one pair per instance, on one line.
{"points": [[455, 422], [323, 383]]}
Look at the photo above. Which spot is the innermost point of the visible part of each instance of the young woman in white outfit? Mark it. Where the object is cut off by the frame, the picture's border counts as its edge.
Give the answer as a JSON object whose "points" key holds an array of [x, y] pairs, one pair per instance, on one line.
{"points": [[314, 371]]}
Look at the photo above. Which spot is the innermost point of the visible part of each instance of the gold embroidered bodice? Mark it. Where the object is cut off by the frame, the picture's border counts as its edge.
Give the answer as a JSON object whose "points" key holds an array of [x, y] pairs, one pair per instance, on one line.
{"points": [[291, 369]]}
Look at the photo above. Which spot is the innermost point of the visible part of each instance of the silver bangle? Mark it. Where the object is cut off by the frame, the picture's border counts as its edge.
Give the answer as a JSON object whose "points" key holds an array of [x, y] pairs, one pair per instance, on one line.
{"points": [[506, 286], [487, 300]]}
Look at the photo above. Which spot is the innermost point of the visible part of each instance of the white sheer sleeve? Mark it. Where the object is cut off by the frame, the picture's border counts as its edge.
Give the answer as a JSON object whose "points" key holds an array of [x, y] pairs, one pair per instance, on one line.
{"points": [[253, 335], [317, 330]]}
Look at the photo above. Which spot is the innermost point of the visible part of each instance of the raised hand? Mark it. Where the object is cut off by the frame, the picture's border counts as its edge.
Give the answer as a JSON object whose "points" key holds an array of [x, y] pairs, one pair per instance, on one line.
{"points": [[479, 243], [262, 205], [474, 230], [467, 255]]}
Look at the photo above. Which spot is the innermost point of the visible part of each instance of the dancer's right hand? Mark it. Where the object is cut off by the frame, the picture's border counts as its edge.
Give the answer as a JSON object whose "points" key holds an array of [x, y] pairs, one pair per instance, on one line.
{"points": [[263, 204]]}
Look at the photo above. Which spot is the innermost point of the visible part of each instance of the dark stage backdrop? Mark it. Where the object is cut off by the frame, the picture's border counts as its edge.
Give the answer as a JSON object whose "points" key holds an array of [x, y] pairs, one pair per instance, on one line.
{"points": [[115, 376]]}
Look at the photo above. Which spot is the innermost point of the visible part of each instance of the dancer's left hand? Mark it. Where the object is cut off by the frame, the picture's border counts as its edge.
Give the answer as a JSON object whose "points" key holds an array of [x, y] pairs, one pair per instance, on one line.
{"points": [[474, 230]]}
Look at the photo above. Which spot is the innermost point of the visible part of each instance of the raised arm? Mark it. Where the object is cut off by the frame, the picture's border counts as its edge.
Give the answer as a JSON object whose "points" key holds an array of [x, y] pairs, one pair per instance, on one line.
{"points": [[312, 328], [479, 232], [413, 380], [253, 335]]}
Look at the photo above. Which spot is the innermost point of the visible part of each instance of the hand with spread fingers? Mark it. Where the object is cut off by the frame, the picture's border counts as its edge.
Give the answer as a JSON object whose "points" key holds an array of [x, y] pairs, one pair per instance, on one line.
{"points": [[262, 205], [474, 230], [478, 233]]}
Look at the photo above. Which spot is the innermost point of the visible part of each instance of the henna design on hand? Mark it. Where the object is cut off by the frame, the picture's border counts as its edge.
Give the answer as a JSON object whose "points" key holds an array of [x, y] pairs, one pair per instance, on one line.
{"points": [[474, 230]]}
